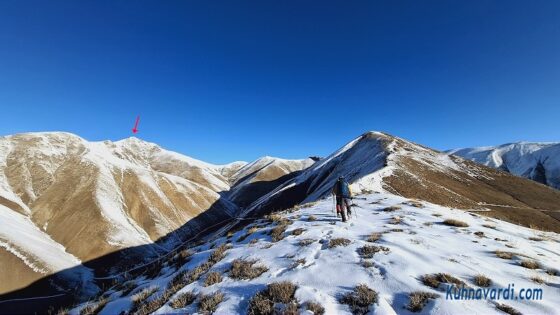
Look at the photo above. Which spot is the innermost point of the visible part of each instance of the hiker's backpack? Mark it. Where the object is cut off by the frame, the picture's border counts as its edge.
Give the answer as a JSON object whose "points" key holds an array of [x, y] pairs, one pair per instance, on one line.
{"points": [[343, 189]]}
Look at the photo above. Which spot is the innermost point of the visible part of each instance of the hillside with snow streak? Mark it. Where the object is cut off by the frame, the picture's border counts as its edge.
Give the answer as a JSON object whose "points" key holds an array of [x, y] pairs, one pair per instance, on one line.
{"points": [[404, 250], [537, 161]]}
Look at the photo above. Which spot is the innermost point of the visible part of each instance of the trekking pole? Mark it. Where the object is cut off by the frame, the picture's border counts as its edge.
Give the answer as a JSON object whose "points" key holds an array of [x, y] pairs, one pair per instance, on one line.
{"points": [[334, 205]]}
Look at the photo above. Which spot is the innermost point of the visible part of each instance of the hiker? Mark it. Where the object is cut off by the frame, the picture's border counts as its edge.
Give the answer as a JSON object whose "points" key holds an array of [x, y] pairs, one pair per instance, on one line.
{"points": [[342, 193]]}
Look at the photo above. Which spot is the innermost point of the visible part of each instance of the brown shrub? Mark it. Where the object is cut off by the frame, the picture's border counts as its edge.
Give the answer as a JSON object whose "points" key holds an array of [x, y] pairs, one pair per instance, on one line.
{"points": [[414, 203], [537, 279], [368, 251], [392, 208], [419, 299], [219, 253], [306, 242], [94, 308], [479, 233], [311, 218], [529, 264], [508, 309], [209, 303], [395, 220], [552, 272], [279, 292], [482, 281], [298, 231], [277, 233], [183, 300], [456, 223], [374, 237], [153, 304], [489, 226], [298, 262], [504, 255], [315, 307], [536, 239], [245, 269], [273, 217], [434, 280], [338, 242], [143, 295], [212, 278], [360, 299]]}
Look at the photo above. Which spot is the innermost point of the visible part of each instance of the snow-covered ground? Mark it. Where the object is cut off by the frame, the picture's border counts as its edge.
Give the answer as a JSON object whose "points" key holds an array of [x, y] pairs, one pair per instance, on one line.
{"points": [[418, 245]]}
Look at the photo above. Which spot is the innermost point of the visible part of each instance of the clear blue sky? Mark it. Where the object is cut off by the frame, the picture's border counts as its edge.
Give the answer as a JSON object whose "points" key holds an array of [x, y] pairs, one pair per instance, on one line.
{"points": [[235, 80]]}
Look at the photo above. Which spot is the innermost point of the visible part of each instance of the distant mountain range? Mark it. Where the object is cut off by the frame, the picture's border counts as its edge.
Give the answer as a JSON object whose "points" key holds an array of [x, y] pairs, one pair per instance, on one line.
{"points": [[75, 209], [536, 161]]}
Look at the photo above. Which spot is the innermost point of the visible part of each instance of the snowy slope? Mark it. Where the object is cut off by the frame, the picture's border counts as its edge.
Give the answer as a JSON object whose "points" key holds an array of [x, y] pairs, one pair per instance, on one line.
{"points": [[536, 161], [419, 245]]}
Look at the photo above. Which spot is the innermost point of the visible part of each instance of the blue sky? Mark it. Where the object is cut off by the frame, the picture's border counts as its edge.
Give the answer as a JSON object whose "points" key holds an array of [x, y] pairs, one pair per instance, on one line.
{"points": [[235, 80]]}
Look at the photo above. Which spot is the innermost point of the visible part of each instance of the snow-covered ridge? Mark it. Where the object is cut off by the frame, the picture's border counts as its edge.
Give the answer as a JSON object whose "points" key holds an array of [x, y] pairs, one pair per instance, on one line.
{"points": [[412, 242], [539, 161]]}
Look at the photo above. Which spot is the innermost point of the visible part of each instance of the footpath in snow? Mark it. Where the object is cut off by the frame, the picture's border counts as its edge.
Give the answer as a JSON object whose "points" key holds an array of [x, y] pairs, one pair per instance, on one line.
{"points": [[393, 245]]}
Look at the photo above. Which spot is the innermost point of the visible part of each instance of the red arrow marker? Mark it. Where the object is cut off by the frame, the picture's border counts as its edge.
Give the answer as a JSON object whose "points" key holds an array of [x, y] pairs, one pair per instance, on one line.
{"points": [[135, 129]]}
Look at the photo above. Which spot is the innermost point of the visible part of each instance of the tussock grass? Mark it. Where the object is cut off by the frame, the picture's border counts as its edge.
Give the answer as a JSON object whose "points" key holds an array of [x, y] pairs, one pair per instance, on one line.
{"points": [[298, 262], [392, 208], [395, 220], [456, 223], [335, 242], [374, 237], [360, 299], [208, 303], [183, 300], [94, 308], [278, 292], [529, 264], [219, 253], [482, 281], [419, 299], [212, 278], [436, 279], [298, 231], [368, 251], [306, 242], [504, 255], [277, 233], [508, 309], [414, 203], [314, 307], [537, 279], [143, 295], [245, 269]]}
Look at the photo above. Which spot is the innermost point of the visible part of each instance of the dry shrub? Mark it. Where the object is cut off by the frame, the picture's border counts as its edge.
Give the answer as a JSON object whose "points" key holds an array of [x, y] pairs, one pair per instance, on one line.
{"points": [[396, 230], [143, 295], [537, 279], [252, 230], [311, 218], [153, 304], [298, 231], [298, 262], [338, 242], [436, 215], [508, 309], [489, 226], [273, 217], [479, 233], [456, 223], [360, 299], [367, 264], [504, 255], [94, 308], [277, 233], [536, 239], [315, 307], [368, 251], [183, 300], [529, 264], [212, 278], [482, 281], [419, 299], [374, 237], [552, 272], [242, 269], [253, 241], [209, 303], [434, 280], [428, 223], [279, 292], [306, 242], [219, 253], [395, 220], [392, 208], [414, 203]]}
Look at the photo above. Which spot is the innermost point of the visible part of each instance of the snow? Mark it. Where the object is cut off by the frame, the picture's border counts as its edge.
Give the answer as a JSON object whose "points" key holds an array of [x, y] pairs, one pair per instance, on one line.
{"points": [[424, 246], [519, 158], [34, 247]]}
